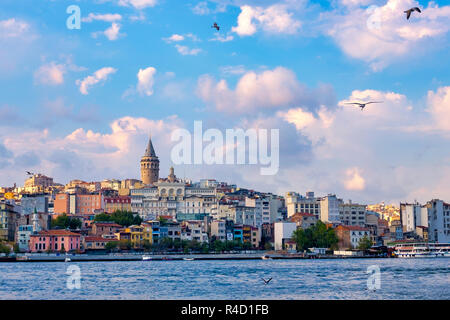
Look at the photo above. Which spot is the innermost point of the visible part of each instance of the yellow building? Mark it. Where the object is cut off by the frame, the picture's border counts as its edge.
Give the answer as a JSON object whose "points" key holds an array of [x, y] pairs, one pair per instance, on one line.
{"points": [[138, 235]]}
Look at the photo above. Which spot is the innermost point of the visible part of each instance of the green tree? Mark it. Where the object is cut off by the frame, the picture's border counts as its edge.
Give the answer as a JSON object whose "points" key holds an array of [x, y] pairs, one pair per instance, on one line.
{"points": [[267, 246], [319, 236], [16, 248], [4, 248], [364, 243], [63, 221], [111, 245], [103, 217]]}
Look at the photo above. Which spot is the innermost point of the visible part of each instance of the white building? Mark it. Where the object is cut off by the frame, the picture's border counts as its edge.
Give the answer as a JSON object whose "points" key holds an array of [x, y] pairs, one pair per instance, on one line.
{"points": [[218, 230], [438, 221], [329, 209], [352, 214], [283, 231], [412, 216], [297, 203]]}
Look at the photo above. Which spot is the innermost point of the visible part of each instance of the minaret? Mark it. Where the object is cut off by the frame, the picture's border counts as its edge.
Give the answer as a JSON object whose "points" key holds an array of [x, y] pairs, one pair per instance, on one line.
{"points": [[35, 221], [149, 165]]}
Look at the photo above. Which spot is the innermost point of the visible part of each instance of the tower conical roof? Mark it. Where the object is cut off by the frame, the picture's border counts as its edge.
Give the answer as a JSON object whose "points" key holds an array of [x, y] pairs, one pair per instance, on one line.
{"points": [[150, 151]]}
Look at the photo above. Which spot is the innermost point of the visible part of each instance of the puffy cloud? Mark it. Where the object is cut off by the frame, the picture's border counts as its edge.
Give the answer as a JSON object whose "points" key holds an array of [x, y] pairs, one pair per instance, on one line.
{"points": [[184, 50], [146, 81], [108, 17], [100, 75], [354, 181], [275, 88], [439, 107], [380, 35], [202, 8], [13, 28], [138, 4], [50, 74], [112, 33], [174, 38], [273, 19], [221, 38]]}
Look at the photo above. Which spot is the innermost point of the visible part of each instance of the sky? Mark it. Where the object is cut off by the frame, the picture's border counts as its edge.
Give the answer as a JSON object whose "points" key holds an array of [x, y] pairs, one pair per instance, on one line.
{"points": [[81, 103]]}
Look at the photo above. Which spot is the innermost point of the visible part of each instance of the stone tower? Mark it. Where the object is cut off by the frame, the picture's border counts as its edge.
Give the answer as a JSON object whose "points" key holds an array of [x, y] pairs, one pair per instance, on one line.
{"points": [[149, 165]]}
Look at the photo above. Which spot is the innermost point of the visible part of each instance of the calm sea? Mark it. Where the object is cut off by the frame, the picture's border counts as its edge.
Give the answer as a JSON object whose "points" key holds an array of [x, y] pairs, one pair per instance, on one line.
{"points": [[292, 279]]}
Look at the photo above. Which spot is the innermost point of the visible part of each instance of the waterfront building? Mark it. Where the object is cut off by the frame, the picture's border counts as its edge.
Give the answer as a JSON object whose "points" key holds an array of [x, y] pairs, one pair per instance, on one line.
{"points": [[139, 234], [304, 220], [412, 216], [100, 229], [218, 230], [170, 230], [352, 214], [298, 203], [329, 209], [350, 236], [55, 241], [23, 236], [283, 232], [155, 225], [95, 243], [438, 221], [194, 230], [8, 221]]}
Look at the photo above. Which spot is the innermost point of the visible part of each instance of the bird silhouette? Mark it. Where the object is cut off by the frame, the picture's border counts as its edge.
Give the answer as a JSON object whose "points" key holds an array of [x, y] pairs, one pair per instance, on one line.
{"points": [[408, 12], [29, 173], [215, 26], [266, 281], [363, 105]]}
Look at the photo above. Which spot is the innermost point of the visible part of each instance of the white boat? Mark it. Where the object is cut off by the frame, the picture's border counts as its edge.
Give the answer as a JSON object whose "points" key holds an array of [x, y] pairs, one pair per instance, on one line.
{"points": [[266, 258], [188, 259], [422, 250], [146, 258], [67, 259]]}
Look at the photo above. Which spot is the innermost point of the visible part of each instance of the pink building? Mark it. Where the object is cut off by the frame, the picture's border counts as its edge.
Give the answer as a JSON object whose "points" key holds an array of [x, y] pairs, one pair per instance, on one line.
{"points": [[54, 240]]}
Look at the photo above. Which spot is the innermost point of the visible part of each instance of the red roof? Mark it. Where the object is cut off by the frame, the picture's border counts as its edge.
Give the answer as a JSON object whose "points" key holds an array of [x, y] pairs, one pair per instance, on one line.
{"points": [[353, 228], [97, 239], [55, 233], [107, 224]]}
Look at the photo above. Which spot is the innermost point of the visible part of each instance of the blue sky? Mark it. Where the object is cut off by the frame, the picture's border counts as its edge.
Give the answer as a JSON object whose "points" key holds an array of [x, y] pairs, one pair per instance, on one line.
{"points": [[324, 52]]}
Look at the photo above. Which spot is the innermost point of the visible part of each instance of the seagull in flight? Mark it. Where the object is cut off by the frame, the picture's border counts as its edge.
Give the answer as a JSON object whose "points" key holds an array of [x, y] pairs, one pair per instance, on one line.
{"points": [[215, 26], [363, 105], [266, 281], [408, 12], [29, 173]]}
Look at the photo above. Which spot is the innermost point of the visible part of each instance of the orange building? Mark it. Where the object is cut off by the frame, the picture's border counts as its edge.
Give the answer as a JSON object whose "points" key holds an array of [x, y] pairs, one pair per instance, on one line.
{"points": [[113, 204], [78, 203]]}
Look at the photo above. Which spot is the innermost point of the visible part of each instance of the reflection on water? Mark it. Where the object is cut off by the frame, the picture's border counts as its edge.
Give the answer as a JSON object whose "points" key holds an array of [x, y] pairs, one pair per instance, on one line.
{"points": [[292, 279]]}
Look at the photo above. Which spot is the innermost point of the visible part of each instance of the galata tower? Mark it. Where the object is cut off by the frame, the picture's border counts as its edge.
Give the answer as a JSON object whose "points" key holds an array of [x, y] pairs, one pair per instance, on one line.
{"points": [[149, 165]]}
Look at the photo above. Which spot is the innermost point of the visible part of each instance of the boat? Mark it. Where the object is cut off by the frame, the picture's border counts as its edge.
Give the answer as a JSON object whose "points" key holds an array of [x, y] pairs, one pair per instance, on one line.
{"points": [[266, 258], [188, 259], [146, 258], [67, 259], [422, 250]]}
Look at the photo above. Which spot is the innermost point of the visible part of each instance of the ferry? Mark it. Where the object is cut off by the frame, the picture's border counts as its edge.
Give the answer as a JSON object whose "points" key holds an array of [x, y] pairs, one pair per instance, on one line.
{"points": [[422, 250]]}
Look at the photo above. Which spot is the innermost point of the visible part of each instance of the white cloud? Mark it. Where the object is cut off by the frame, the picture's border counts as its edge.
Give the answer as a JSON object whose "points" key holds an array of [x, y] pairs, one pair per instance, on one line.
{"points": [[138, 4], [221, 38], [381, 35], [273, 19], [439, 107], [202, 8], [146, 81], [108, 17], [268, 89], [50, 74], [112, 33], [100, 75], [354, 181], [184, 50], [13, 28], [174, 38]]}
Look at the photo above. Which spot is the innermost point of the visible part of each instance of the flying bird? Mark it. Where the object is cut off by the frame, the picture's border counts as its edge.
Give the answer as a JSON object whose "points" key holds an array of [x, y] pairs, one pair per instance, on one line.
{"points": [[363, 105], [215, 26], [29, 173], [408, 12], [266, 281]]}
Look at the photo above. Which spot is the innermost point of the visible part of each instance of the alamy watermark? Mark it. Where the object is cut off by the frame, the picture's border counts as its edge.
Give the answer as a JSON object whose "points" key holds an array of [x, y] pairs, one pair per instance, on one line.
{"points": [[374, 280], [74, 279], [238, 147], [74, 20]]}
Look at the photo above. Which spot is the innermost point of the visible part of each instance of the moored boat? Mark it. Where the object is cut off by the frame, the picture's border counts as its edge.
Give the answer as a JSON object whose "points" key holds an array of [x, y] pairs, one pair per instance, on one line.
{"points": [[146, 258], [422, 250]]}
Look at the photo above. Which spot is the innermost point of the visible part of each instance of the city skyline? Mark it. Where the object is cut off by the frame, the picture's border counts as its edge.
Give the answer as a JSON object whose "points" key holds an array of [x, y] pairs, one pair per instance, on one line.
{"points": [[90, 102]]}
